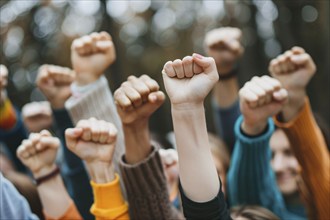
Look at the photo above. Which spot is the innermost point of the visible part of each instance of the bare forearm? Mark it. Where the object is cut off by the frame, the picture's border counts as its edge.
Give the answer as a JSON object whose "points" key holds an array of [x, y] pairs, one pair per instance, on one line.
{"points": [[225, 92], [137, 142], [54, 197], [196, 163]]}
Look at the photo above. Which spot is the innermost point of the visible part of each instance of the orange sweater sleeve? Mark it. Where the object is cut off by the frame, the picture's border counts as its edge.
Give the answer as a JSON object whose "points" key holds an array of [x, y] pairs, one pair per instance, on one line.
{"points": [[72, 214], [311, 151], [108, 201]]}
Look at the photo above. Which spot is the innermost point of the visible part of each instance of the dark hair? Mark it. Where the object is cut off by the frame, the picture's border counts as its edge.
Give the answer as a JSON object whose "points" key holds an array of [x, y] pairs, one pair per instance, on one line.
{"points": [[253, 212]]}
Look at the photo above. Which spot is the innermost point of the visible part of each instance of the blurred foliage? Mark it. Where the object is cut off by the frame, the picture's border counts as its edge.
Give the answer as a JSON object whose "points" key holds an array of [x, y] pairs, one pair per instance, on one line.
{"points": [[147, 33]]}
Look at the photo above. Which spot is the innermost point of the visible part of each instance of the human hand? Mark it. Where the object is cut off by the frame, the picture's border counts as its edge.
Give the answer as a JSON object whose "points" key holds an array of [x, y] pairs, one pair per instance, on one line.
{"points": [[37, 116], [3, 82], [94, 142], [189, 81], [260, 98], [224, 45], [294, 69], [38, 153], [54, 82], [91, 55], [137, 99]]}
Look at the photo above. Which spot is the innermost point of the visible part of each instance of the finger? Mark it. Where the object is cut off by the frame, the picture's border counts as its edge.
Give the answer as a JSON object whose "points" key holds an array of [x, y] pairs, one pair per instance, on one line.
{"points": [[188, 66], [207, 63], [169, 70], [151, 83], [105, 36], [301, 59], [22, 153], [71, 136], [48, 142], [87, 131], [280, 95], [248, 97], [140, 87], [122, 100], [30, 147], [112, 134], [78, 46], [95, 130], [178, 68], [273, 82], [44, 133], [87, 45], [297, 50], [104, 131], [156, 97], [132, 94]]}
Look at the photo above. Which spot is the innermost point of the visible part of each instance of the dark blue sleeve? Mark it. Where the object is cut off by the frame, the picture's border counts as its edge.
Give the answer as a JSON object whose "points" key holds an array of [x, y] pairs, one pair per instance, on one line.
{"points": [[73, 169], [215, 209], [225, 119], [12, 140]]}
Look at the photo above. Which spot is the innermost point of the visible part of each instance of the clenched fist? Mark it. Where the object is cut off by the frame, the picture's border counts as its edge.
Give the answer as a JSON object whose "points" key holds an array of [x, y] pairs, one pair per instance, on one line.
{"points": [[37, 116], [54, 82], [94, 142], [91, 55], [137, 99], [294, 69], [189, 81], [260, 98], [38, 153], [224, 45]]}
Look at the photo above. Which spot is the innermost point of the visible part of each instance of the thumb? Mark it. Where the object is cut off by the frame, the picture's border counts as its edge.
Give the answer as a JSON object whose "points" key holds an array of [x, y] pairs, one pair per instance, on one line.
{"points": [[281, 95], [207, 63], [71, 136], [156, 97], [300, 59]]}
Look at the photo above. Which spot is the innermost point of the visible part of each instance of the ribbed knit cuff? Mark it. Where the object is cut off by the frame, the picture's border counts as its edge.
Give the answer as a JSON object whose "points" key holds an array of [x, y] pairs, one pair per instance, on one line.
{"points": [[94, 101], [108, 200], [261, 140], [144, 177]]}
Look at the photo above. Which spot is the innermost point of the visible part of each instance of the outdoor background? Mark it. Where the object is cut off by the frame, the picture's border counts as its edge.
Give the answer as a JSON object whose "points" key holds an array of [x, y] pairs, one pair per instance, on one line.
{"points": [[149, 33]]}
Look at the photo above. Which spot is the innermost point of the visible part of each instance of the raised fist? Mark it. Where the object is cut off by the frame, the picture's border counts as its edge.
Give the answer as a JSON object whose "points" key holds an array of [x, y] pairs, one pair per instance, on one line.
{"points": [[138, 98], [260, 98], [91, 55], [54, 82], [189, 81], [3, 81], [224, 45], [38, 153], [92, 140], [37, 116], [293, 69]]}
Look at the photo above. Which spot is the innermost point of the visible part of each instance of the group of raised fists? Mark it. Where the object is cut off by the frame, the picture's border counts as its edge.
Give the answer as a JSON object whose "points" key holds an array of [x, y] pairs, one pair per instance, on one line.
{"points": [[187, 83]]}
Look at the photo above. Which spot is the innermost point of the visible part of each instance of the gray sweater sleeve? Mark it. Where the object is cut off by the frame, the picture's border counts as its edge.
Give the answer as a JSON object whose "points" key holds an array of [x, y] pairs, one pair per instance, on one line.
{"points": [[146, 187]]}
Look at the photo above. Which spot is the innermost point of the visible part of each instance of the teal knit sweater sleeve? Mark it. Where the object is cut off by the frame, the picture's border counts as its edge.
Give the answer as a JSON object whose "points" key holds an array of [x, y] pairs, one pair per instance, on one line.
{"points": [[251, 180]]}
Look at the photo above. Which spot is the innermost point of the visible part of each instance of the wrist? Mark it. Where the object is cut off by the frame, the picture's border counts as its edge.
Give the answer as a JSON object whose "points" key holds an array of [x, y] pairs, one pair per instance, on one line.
{"points": [[296, 102], [253, 128], [44, 171], [137, 142], [84, 79], [56, 104], [187, 107], [101, 172]]}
